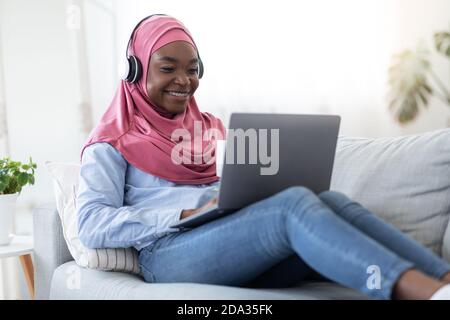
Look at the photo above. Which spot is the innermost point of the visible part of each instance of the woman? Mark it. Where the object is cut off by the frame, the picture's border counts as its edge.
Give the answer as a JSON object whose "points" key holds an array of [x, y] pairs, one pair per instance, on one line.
{"points": [[131, 191]]}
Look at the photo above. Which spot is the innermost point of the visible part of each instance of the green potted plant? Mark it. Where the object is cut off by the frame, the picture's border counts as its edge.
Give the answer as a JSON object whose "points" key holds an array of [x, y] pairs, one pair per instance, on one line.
{"points": [[413, 81], [14, 176]]}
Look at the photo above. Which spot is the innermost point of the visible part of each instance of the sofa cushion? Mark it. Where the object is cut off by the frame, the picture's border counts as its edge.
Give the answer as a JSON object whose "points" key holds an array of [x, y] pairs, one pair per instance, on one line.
{"points": [[65, 181], [404, 180], [72, 282]]}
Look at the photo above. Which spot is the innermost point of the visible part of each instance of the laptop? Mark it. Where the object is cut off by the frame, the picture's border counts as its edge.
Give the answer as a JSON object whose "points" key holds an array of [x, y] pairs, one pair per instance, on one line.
{"points": [[267, 153]]}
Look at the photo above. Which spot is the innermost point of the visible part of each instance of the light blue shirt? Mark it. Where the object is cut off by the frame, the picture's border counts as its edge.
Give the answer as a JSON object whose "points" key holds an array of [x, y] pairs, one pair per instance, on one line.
{"points": [[120, 206]]}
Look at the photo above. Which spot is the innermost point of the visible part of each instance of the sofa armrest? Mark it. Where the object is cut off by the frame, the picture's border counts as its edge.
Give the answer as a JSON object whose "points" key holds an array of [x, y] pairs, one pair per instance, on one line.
{"points": [[50, 249], [446, 244]]}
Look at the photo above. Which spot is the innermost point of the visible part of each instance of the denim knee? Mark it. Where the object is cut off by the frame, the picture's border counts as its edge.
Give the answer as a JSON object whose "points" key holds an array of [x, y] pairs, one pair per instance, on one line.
{"points": [[290, 197], [334, 199], [295, 192]]}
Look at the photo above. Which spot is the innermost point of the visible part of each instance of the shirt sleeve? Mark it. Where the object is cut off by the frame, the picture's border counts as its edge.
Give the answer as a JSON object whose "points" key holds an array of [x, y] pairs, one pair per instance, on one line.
{"points": [[103, 220]]}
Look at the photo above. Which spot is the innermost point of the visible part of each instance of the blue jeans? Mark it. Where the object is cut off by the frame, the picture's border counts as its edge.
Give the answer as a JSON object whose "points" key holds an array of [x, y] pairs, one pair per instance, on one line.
{"points": [[289, 237]]}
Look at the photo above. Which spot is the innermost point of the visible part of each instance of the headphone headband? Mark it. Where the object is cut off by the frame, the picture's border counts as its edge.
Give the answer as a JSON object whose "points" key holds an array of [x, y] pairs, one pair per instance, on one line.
{"points": [[137, 26], [134, 66]]}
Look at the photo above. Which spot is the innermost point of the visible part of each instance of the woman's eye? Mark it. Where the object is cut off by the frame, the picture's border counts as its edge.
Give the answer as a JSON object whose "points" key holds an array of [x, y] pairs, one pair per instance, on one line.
{"points": [[193, 71], [166, 69]]}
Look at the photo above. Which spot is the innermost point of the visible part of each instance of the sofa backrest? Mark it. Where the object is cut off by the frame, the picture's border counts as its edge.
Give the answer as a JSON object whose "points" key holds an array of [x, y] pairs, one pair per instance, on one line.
{"points": [[404, 180]]}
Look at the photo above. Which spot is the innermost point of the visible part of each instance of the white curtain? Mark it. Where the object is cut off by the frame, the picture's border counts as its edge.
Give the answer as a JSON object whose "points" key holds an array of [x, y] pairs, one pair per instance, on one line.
{"points": [[9, 275], [75, 17], [4, 143]]}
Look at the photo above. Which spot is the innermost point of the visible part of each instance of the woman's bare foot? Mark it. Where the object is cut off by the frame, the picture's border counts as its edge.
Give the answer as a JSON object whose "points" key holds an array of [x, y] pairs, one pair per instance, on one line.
{"points": [[415, 285], [442, 294]]}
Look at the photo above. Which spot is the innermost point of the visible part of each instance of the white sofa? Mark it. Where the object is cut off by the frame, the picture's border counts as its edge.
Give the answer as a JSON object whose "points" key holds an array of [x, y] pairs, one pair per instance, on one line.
{"points": [[404, 180]]}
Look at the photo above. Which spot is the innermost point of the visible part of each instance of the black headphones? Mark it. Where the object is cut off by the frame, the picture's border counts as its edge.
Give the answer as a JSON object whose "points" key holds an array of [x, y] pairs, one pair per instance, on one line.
{"points": [[133, 70]]}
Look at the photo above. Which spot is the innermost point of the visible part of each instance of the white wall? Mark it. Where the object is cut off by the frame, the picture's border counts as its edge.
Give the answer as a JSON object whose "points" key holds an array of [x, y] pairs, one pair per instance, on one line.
{"points": [[319, 56]]}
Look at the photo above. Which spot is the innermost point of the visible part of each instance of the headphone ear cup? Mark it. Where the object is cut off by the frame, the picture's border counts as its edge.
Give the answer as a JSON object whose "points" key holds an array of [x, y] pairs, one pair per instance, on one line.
{"points": [[200, 69], [126, 71], [138, 70], [134, 71]]}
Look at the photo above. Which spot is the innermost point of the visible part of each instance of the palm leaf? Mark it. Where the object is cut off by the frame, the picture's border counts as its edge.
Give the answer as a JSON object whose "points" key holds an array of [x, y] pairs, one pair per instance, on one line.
{"points": [[409, 87], [442, 42]]}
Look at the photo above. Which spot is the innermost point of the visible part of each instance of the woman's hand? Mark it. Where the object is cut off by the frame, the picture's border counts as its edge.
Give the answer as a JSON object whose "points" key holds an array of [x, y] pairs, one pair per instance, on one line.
{"points": [[189, 212]]}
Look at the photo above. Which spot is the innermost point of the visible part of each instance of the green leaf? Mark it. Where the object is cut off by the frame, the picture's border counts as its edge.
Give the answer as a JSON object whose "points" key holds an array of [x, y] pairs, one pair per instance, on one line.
{"points": [[22, 178], [14, 175]]}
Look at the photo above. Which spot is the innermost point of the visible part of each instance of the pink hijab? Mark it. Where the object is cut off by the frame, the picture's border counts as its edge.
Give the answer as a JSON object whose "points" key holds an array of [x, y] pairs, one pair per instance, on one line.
{"points": [[143, 133]]}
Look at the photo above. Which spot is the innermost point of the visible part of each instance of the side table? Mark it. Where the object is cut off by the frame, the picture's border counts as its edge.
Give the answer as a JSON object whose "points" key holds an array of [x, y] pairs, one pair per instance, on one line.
{"points": [[22, 247]]}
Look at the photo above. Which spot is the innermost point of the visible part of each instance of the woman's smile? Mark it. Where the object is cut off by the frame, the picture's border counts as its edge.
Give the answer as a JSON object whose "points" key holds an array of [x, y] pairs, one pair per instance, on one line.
{"points": [[178, 95]]}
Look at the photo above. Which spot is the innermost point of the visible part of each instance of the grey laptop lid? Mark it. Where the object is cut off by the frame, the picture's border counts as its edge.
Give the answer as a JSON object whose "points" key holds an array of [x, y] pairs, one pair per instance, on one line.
{"points": [[298, 150], [306, 149]]}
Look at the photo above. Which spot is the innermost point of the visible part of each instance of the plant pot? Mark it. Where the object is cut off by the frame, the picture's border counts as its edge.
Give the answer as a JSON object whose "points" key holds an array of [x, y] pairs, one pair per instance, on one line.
{"points": [[7, 210]]}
